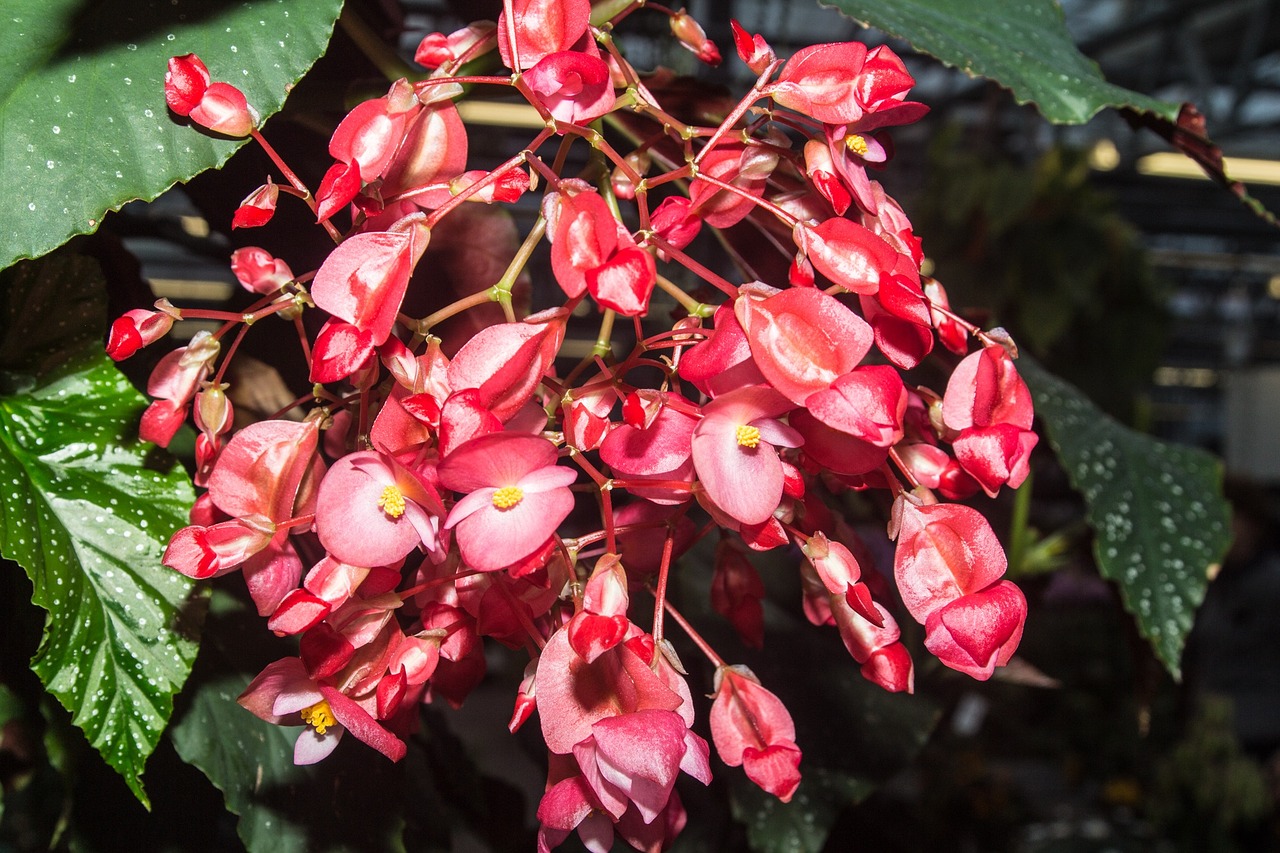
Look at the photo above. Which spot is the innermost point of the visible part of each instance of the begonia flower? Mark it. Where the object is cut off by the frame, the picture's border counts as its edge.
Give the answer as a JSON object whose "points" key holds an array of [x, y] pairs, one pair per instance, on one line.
{"points": [[258, 207], [978, 632], [846, 253], [802, 339], [437, 49], [944, 551], [735, 455], [752, 49], [515, 497], [284, 694], [573, 86], [693, 38], [135, 329], [737, 592], [220, 107], [542, 27], [751, 728], [259, 272], [372, 511]]}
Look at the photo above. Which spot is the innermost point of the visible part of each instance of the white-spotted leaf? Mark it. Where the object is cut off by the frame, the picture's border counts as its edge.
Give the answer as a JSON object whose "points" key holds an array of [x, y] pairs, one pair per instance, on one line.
{"points": [[85, 125], [86, 509], [1160, 522]]}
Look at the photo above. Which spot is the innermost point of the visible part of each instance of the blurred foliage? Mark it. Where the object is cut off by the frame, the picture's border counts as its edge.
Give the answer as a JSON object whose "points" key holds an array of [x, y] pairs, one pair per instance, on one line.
{"points": [[1207, 793], [1049, 255]]}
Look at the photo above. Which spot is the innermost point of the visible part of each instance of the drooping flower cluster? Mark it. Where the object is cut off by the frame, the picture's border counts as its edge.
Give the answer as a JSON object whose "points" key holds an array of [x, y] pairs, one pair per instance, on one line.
{"points": [[424, 503]]}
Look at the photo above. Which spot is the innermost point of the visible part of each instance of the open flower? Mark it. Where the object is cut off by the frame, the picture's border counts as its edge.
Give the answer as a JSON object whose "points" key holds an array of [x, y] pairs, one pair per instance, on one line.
{"points": [[372, 510], [516, 497], [734, 451]]}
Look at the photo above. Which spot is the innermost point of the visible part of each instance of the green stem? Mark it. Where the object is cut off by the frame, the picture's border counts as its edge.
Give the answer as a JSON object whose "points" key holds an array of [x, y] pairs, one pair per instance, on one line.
{"points": [[1019, 532]]}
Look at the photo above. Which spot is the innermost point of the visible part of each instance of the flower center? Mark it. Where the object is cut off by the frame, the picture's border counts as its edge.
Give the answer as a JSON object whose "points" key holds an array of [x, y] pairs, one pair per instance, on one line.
{"points": [[856, 144], [507, 497], [748, 436], [392, 501], [319, 716]]}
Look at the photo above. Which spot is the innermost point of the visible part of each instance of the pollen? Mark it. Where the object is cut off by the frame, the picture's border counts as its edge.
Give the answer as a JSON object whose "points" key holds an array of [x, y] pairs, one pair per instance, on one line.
{"points": [[507, 497], [748, 436], [856, 144], [392, 501], [319, 716]]}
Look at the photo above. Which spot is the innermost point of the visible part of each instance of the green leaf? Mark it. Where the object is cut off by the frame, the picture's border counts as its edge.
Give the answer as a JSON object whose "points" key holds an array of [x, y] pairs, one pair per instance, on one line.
{"points": [[1021, 44], [85, 126], [348, 802], [86, 509], [1161, 524]]}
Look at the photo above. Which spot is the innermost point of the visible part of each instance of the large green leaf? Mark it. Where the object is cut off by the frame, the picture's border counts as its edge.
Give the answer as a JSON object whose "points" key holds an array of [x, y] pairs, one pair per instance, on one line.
{"points": [[1161, 524], [86, 509], [83, 122], [1021, 44]]}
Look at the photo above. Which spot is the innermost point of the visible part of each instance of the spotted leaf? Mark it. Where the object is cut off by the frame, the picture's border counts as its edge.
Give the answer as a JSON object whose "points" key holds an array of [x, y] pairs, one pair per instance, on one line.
{"points": [[85, 509], [1160, 521]]}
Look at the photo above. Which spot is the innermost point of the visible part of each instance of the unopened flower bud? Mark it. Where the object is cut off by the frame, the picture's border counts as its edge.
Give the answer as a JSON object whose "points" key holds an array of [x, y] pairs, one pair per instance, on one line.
{"points": [[693, 37], [258, 207], [213, 410], [752, 49], [259, 272], [185, 83], [135, 329]]}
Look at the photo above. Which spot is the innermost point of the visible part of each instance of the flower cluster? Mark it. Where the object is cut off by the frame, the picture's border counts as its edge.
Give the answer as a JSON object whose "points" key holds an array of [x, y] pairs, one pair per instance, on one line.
{"points": [[414, 504]]}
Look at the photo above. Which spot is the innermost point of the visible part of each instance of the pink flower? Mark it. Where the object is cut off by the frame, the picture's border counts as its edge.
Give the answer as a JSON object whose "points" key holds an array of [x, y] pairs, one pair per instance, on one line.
{"points": [[372, 510], [978, 632], [751, 727], [516, 497], [284, 694], [542, 27], [801, 339], [220, 107], [734, 452], [574, 87], [258, 207]]}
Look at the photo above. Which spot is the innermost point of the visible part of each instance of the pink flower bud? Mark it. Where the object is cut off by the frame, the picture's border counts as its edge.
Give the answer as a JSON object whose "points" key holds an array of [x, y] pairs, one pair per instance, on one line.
{"points": [[469, 42], [259, 272], [751, 727], [223, 109], [184, 83], [694, 38], [135, 329], [213, 410], [736, 593], [752, 49], [258, 207]]}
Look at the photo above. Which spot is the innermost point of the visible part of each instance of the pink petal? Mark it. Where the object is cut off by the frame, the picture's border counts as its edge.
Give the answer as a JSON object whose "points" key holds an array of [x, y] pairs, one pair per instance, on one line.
{"points": [[312, 747]]}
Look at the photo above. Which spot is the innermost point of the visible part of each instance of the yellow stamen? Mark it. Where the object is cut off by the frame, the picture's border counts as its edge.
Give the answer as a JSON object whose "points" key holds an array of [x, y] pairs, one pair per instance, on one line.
{"points": [[748, 436], [507, 497], [392, 501], [856, 144], [319, 716]]}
